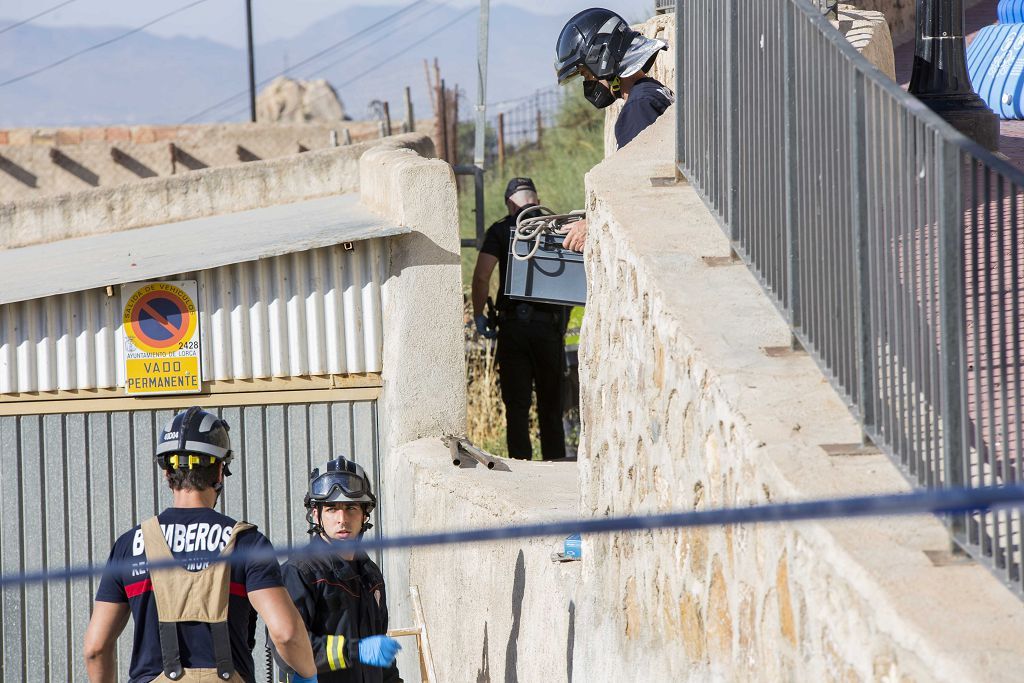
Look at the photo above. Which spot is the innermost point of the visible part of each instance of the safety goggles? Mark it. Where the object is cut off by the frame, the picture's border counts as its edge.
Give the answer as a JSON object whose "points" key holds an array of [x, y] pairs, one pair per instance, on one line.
{"points": [[351, 485]]}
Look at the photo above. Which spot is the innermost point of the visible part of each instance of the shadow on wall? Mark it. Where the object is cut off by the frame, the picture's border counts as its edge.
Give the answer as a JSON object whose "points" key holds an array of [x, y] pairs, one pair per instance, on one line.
{"points": [[518, 591], [17, 172], [483, 674], [571, 641]]}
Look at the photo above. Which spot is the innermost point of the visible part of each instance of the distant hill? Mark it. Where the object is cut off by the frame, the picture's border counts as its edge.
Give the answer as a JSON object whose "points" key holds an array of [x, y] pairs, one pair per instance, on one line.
{"points": [[149, 79]]}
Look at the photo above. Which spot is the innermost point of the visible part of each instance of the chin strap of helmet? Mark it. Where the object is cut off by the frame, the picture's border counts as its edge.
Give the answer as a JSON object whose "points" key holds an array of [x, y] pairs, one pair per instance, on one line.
{"points": [[315, 527]]}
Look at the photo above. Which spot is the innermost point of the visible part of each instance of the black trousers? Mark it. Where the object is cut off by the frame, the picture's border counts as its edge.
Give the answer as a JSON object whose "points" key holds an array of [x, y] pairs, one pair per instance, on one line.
{"points": [[531, 354]]}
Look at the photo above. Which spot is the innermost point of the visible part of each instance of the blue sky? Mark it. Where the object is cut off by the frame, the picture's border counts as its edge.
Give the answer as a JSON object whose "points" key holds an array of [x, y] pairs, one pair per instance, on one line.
{"points": [[224, 20]]}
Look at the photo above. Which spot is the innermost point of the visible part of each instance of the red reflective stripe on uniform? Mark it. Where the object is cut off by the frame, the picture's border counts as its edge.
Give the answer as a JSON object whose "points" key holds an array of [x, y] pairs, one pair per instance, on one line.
{"points": [[239, 590], [138, 588]]}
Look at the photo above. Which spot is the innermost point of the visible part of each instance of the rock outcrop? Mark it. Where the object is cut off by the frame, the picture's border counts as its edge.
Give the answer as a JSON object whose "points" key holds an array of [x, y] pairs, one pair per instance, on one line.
{"points": [[290, 101]]}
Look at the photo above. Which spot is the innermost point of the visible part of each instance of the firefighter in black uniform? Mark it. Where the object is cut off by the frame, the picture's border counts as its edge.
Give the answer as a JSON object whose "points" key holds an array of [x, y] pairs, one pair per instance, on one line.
{"points": [[340, 596], [197, 622], [531, 339]]}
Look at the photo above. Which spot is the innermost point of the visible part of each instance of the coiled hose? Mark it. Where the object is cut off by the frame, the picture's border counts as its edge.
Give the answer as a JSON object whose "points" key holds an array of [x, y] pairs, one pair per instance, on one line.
{"points": [[535, 221]]}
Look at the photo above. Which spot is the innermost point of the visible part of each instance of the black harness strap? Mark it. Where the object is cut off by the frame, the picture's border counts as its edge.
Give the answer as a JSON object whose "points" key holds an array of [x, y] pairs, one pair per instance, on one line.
{"points": [[222, 649], [169, 650]]}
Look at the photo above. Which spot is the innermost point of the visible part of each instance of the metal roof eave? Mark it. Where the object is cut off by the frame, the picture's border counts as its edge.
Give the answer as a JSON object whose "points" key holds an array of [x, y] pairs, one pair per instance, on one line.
{"points": [[83, 263]]}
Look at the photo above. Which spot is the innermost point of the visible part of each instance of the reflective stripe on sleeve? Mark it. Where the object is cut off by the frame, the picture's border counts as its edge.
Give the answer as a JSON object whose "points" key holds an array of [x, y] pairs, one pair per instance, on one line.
{"points": [[335, 652]]}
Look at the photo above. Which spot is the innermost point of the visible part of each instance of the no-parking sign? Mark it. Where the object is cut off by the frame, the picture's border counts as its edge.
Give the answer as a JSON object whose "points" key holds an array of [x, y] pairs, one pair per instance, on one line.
{"points": [[161, 338]]}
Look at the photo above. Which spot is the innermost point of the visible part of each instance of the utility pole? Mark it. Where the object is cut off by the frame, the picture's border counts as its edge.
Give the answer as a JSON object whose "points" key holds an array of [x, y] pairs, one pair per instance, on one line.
{"points": [[481, 116], [940, 79], [252, 67]]}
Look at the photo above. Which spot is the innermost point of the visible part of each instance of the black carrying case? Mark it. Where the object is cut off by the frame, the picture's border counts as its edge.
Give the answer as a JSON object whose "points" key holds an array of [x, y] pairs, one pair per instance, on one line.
{"points": [[554, 275]]}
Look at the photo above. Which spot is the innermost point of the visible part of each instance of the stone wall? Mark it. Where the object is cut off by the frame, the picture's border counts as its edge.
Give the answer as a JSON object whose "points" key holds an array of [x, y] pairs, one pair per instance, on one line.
{"points": [[36, 162], [682, 409]]}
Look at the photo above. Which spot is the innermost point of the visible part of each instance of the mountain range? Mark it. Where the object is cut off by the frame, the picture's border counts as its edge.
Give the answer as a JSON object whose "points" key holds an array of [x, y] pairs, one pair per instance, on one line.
{"points": [[150, 79]]}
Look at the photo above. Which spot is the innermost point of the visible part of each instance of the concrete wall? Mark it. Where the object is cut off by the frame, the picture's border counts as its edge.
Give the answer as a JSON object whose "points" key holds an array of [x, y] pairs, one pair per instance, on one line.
{"points": [[424, 392], [28, 170], [193, 195], [682, 409], [500, 611]]}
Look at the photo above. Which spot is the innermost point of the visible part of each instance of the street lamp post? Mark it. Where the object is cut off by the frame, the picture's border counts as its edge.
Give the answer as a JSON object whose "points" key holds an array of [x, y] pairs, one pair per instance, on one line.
{"points": [[939, 78]]}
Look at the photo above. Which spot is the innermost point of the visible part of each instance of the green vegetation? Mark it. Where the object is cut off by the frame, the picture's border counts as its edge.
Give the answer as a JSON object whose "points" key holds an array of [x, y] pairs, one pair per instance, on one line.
{"points": [[557, 168]]}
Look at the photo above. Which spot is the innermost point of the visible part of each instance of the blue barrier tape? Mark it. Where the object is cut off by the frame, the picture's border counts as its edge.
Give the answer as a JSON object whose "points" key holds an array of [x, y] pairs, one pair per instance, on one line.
{"points": [[918, 502]]}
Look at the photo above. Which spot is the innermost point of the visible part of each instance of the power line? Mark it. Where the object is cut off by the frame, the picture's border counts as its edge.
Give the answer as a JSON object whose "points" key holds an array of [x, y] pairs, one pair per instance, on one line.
{"points": [[135, 30], [5, 29], [377, 65], [409, 47], [330, 48]]}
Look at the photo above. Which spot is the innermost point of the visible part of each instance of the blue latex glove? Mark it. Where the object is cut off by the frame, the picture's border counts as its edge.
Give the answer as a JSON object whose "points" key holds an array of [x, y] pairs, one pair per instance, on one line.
{"points": [[296, 678], [482, 329], [378, 651]]}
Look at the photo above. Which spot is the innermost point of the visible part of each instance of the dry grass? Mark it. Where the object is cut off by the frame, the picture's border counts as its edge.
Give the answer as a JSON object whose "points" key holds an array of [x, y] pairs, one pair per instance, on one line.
{"points": [[485, 414], [485, 417]]}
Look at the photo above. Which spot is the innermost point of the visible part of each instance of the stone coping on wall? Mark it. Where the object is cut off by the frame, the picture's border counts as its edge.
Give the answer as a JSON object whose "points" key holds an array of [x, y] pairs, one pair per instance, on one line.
{"points": [[196, 132], [702, 415], [193, 195]]}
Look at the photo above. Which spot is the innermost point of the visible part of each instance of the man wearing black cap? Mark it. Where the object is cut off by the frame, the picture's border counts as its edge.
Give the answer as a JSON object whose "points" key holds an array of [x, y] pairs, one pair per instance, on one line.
{"points": [[530, 339]]}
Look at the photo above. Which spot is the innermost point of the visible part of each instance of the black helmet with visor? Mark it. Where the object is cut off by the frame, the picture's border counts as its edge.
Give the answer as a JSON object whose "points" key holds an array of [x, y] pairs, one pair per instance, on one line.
{"points": [[595, 38], [339, 481]]}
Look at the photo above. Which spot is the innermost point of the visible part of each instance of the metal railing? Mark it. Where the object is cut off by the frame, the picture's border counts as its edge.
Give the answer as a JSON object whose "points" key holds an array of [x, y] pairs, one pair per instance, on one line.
{"points": [[891, 243]]}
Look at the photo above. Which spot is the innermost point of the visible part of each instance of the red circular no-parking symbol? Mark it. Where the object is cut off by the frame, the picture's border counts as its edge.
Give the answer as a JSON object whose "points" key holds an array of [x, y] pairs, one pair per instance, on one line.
{"points": [[159, 318]]}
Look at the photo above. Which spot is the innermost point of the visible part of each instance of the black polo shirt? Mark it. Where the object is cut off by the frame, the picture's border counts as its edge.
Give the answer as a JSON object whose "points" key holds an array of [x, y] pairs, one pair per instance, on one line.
{"points": [[648, 99], [190, 532]]}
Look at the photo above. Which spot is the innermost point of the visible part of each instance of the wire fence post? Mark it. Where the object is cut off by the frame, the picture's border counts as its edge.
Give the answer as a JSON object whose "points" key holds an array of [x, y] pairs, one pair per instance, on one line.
{"points": [[410, 118], [442, 122], [501, 140], [951, 306]]}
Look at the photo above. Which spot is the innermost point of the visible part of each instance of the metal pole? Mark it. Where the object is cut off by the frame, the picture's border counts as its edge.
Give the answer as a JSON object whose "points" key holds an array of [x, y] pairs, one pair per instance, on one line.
{"points": [[252, 66], [951, 307], [939, 78], [481, 116]]}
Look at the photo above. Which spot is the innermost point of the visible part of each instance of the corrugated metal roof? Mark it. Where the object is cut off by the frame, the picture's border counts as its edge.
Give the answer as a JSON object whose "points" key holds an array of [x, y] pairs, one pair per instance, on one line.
{"points": [[200, 244]]}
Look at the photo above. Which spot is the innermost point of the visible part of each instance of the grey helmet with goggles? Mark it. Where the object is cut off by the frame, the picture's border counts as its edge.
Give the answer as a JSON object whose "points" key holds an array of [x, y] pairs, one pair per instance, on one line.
{"points": [[339, 481], [194, 438]]}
